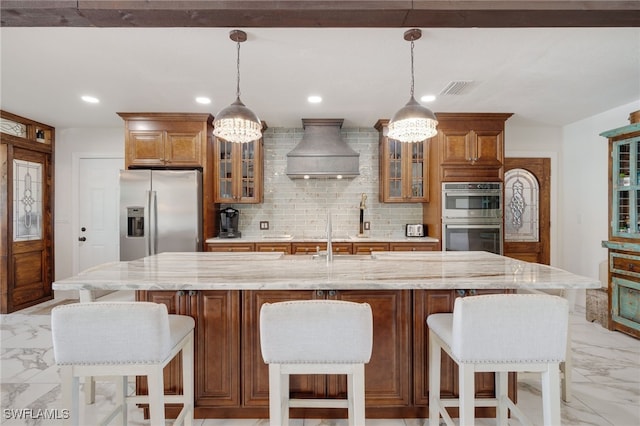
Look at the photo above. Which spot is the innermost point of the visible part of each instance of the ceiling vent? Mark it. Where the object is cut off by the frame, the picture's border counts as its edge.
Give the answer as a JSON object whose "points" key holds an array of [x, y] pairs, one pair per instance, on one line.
{"points": [[456, 87]]}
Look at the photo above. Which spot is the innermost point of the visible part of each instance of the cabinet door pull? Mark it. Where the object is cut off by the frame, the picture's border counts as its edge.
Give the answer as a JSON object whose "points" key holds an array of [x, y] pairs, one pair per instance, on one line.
{"points": [[631, 266], [332, 293], [192, 292], [320, 293], [460, 292], [180, 293]]}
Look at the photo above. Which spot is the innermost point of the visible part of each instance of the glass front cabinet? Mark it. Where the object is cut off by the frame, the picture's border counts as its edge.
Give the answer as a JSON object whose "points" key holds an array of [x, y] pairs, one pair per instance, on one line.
{"points": [[239, 172], [624, 228], [404, 168]]}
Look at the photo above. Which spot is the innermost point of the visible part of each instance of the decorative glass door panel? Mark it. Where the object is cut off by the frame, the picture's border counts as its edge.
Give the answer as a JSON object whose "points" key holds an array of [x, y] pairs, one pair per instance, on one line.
{"points": [[626, 188], [27, 203]]}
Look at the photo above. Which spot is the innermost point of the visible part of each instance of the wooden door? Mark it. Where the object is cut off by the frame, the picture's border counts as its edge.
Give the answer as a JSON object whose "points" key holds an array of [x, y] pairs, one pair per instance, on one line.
{"points": [[521, 240], [30, 261]]}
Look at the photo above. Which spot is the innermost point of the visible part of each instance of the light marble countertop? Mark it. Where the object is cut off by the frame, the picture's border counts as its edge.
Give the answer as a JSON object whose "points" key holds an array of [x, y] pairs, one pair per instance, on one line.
{"points": [[276, 271]]}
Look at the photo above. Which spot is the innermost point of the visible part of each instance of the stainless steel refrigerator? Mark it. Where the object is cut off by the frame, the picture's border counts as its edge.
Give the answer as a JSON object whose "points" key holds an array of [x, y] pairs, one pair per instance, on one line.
{"points": [[160, 211]]}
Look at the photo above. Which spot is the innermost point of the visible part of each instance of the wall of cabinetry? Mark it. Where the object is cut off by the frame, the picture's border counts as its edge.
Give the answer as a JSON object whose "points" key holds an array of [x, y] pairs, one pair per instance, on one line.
{"points": [[469, 147], [174, 140], [624, 227], [26, 212], [312, 247]]}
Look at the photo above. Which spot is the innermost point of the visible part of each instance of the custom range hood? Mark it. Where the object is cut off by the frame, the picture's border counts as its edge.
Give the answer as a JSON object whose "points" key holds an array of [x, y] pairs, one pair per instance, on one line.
{"points": [[322, 153]]}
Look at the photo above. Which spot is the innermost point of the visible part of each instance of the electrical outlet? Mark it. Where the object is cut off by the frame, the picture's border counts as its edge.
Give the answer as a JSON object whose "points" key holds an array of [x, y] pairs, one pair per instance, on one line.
{"points": [[367, 226], [264, 225]]}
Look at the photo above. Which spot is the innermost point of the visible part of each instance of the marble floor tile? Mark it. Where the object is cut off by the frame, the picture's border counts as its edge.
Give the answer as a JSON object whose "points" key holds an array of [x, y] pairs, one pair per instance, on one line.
{"points": [[606, 379]]}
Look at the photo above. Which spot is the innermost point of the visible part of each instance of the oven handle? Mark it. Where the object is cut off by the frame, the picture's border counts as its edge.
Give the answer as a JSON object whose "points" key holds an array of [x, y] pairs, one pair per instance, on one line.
{"points": [[465, 193], [485, 226]]}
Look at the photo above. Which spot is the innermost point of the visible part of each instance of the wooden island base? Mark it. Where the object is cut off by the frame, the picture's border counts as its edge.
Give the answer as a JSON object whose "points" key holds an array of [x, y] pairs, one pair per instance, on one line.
{"points": [[231, 380]]}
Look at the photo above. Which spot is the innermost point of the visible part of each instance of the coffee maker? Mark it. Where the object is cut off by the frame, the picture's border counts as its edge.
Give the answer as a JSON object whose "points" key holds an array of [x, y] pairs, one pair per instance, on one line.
{"points": [[229, 223]]}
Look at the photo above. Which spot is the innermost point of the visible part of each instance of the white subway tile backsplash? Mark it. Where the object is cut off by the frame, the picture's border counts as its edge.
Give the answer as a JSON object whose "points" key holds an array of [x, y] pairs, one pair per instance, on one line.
{"points": [[299, 207]]}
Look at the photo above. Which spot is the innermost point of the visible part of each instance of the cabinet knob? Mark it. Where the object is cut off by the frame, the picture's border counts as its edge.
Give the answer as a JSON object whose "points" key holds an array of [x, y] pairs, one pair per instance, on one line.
{"points": [[320, 293], [332, 293], [192, 292], [631, 266], [180, 293]]}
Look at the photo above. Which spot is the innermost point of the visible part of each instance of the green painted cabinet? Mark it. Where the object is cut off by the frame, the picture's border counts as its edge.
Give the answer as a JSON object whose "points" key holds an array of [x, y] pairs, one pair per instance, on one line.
{"points": [[624, 227]]}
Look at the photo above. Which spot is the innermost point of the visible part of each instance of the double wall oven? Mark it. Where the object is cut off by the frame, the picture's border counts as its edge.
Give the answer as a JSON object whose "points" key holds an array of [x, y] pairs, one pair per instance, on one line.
{"points": [[472, 216]]}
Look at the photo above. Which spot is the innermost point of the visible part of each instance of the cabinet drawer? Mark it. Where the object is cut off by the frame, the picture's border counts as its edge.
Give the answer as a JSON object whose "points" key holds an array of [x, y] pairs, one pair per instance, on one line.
{"points": [[366, 248], [268, 247], [625, 264], [242, 247], [413, 246]]}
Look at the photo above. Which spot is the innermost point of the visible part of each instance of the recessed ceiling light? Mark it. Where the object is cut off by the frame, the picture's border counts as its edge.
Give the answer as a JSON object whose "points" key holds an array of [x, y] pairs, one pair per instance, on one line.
{"points": [[90, 99], [203, 100], [428, 98], [314, 99]]}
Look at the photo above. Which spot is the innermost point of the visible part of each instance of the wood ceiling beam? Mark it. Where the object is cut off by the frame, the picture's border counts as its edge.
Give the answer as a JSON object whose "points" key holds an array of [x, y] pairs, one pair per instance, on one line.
{"points": [[316, 14]]}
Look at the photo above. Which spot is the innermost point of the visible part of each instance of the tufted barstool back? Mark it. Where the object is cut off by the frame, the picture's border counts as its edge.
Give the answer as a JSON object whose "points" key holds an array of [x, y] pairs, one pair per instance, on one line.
{"points": [[123, 339], [316, 337], [499, 333]]}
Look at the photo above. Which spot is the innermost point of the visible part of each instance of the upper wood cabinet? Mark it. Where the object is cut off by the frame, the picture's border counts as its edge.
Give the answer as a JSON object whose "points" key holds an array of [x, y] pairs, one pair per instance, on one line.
{"points": [[239, 166], [404, 174], [166, 139], [26, 212], [470, 147]]}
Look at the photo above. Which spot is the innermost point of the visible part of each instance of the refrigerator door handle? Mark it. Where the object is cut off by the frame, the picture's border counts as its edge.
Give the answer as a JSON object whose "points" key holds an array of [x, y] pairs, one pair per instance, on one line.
{"points": [[153, 217], [147, 224]]}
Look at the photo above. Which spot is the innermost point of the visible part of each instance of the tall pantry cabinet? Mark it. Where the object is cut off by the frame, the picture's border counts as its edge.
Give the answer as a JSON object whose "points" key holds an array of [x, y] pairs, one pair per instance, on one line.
{"points": [[624, 227], [26, 212]]}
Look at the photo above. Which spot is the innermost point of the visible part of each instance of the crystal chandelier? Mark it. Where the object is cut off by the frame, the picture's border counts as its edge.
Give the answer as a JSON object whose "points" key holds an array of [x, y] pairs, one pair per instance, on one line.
{"points": [[237, 123], [413, 122]]}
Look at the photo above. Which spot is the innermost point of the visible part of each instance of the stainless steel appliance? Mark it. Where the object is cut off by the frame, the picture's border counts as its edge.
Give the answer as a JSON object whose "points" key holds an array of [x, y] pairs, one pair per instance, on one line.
{"points": [[160, 211], [472, 216], [229, 223], [472, 200], [416, 230]]}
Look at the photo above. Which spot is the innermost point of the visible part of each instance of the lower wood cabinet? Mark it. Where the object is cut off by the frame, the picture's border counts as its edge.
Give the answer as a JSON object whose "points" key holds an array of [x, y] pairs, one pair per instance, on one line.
{"points": [[232, 381]]}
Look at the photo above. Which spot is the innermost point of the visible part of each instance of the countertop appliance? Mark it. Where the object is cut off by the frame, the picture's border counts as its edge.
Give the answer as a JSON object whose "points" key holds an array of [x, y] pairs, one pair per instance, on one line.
{"points": [[416, 230], [160, 211], [229, 223]]}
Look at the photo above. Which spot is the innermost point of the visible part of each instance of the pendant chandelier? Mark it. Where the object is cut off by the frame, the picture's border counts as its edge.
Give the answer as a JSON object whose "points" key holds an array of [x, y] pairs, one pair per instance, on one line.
{"points": [[237, 123], [413, 122]]}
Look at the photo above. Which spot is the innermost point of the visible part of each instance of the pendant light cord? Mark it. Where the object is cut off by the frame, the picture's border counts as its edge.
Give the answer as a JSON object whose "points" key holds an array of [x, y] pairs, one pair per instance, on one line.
{"points": [[411, 68], [238, 72]]}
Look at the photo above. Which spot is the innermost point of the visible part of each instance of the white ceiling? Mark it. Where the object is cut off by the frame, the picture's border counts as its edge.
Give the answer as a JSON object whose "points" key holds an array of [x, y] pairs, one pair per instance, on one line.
{"points": [[548, 76]]}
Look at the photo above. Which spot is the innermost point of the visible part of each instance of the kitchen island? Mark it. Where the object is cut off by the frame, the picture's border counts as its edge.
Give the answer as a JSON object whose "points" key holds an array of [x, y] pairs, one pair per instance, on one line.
{"points": [[224, 292]]}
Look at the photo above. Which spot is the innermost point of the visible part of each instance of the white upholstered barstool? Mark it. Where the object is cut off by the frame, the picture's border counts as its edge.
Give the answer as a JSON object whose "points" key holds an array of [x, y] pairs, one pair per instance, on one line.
{"points": [[316, 337], [498, 333], [123, 339]]}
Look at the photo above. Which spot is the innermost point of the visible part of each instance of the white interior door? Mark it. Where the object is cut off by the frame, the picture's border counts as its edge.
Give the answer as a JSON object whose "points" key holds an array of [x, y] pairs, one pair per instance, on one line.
{"points": [[98, 196]]}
